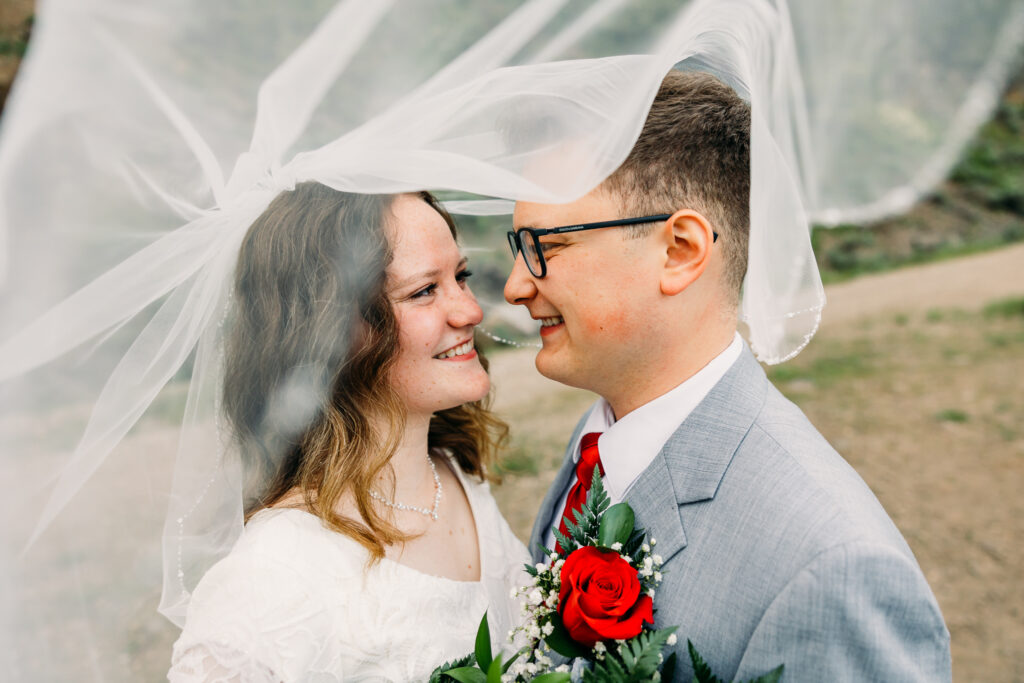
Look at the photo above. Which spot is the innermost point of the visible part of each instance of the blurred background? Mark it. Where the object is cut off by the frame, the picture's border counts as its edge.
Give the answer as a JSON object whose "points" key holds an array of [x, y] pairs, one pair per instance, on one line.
{"points": [[915, 377]]}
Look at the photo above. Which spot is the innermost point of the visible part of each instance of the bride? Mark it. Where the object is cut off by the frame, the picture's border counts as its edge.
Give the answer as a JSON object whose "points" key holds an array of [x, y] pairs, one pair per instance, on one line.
{"points": [[372, 545]]}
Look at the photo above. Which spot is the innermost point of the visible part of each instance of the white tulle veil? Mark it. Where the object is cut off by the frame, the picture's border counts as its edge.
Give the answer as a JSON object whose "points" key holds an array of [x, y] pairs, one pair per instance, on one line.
{"points": [[143, 138]]}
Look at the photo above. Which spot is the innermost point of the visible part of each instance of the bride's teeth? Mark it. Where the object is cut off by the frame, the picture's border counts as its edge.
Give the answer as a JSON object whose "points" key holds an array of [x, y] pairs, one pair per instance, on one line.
{"points": [[549, 322], [460, 350]]}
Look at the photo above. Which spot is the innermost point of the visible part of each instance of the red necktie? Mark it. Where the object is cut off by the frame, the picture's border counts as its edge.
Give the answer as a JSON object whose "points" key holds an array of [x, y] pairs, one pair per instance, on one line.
{"points": [[589, 458]]}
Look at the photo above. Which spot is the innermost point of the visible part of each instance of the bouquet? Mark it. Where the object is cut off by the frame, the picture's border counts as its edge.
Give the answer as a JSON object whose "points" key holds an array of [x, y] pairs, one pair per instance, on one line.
{"points": [[592, 602]]}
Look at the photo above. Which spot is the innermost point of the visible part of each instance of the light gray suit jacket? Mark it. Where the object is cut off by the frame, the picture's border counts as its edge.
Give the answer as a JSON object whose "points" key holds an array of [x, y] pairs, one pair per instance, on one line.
{"points": [[775, 549]]}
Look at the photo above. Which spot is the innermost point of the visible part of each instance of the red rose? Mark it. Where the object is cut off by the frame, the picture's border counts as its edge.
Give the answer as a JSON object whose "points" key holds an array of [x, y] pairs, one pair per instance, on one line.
{"points": [[600, 597]]}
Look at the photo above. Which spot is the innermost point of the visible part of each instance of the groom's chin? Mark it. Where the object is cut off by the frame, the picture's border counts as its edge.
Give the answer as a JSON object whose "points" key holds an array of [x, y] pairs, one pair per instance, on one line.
{"points": [[555, 366]]}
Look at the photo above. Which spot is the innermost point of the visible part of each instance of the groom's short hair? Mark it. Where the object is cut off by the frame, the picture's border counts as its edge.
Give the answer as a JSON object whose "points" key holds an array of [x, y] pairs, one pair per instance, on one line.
{"points": [[694, 153]]}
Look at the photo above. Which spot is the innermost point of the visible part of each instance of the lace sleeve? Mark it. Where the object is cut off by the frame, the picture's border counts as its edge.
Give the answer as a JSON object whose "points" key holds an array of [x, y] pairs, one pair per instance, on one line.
{"points": [[251, 620], [215, 663]]}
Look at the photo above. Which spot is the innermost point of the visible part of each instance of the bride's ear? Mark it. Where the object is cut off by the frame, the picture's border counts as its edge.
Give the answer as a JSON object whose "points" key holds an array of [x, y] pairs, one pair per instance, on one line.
{"points": [[686, 241]]}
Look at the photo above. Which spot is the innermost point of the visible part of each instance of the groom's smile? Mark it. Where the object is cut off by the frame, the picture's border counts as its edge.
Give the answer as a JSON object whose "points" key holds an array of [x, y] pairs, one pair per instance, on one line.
{"points": [[549, 326]]}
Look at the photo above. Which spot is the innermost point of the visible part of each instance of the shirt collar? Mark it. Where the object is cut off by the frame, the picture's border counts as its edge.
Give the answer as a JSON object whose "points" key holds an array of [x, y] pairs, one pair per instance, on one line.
{"points": [[628, 446]]}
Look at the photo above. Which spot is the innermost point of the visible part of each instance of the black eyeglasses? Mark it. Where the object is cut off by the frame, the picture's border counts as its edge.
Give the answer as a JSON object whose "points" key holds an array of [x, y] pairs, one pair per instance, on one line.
{"points": [[527, 240]]}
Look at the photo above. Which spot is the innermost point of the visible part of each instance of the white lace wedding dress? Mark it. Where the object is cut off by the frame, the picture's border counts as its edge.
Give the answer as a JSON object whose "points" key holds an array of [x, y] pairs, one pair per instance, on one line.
{"points": [[293, 602]]}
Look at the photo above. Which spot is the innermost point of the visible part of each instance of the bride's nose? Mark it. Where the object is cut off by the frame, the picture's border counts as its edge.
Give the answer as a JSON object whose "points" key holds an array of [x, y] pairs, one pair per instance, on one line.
{"points": [[464, 310]]}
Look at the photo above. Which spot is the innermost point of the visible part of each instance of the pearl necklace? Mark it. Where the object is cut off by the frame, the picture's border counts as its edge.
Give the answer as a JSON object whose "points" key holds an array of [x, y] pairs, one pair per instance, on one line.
{"points": [[413, 508]]}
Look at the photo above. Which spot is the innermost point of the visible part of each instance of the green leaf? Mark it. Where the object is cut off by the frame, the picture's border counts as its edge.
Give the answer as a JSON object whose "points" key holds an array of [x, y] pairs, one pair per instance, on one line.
{"points": [[437, 677], [584, 525], [608, 671], [668, 670], [635, 542], [772, 676], [641, 654], [561, 642], [616, 525], [552, 677], [494, 671], [467, 674], [578, 530], [597, 498], [566, 542], [514, 658], [701, 670], [483, 644]]}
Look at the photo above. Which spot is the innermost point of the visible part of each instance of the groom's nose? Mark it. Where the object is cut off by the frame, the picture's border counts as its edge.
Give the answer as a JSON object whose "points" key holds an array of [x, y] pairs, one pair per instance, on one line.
{"points": [[520, 286]]}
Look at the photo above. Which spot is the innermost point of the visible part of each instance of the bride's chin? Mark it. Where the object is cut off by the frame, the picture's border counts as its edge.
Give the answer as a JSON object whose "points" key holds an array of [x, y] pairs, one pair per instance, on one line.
{"points": [[481, 390], [475, 389]]}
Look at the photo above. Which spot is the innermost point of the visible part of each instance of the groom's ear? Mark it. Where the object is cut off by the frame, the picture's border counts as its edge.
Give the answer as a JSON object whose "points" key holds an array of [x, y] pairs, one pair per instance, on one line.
{"points": [[685, 244]]}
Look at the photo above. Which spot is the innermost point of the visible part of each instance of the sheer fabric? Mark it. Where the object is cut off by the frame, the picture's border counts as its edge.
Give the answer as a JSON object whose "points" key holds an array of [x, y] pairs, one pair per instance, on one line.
{"points": [[144, 136]]}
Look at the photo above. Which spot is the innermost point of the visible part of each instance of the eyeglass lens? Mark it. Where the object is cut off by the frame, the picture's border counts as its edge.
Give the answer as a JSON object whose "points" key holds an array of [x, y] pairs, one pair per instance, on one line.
{"points": [[531, 252], [526, 242]]}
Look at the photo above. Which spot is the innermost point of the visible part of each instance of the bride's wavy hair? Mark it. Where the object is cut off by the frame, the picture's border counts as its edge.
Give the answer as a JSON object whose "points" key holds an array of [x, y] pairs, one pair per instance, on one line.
{"points": [[308, 357]]}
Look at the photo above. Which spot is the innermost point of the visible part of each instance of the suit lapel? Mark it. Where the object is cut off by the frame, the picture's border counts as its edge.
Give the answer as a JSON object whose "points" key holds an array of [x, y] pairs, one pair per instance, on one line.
{"points": [[544, 516], [693, 461], [654, 503]]}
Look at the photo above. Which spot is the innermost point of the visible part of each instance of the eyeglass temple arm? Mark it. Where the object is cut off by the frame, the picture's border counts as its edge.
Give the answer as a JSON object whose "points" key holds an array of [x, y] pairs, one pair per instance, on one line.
{"points": [[604, 224], [609, 224], [593, 226]]}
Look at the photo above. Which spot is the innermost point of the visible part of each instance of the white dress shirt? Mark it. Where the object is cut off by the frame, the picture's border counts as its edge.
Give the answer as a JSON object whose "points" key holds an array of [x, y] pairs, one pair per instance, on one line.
{"points": [[628, 446]]}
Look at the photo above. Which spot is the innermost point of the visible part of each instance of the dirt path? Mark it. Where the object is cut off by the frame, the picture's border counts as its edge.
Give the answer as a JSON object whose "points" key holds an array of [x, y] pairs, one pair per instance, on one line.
{"points": [[967, 283]]}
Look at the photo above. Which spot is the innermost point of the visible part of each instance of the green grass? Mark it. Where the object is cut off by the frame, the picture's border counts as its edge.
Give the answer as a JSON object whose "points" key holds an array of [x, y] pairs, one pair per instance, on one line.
{"points": [[992, 169], [825, 370], [952, 415], [518, 461], [1001, 340], [1005, 308], [13, 47], [855, 265]]}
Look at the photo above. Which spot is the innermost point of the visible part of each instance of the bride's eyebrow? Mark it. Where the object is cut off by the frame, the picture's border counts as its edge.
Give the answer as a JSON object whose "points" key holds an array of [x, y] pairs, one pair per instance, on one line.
{"points": [[412, 279], [432, 274]]}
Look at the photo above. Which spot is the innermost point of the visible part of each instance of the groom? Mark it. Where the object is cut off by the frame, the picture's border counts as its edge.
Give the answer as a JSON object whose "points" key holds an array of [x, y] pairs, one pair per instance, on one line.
{"points": [[775, 551]]}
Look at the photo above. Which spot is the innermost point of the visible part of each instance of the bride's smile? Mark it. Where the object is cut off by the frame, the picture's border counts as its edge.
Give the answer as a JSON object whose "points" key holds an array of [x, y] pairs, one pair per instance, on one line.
{"points": [[461, 351]]}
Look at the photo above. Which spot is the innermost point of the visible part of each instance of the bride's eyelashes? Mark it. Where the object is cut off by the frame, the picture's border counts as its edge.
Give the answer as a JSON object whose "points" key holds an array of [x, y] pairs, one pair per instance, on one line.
{"points": [[425, 292], [461, 277]]}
